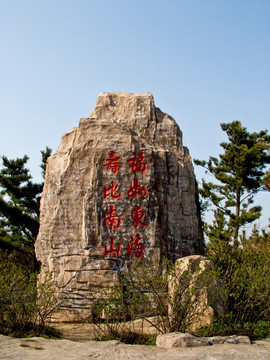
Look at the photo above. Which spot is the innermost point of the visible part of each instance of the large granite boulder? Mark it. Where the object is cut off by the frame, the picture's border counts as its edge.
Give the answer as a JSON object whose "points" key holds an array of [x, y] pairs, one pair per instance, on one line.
{"points": [[120, 186]]}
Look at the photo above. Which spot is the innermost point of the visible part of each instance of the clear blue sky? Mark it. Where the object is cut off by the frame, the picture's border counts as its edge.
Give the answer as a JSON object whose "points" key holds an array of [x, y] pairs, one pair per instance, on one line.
{"points": [[205, 61]]}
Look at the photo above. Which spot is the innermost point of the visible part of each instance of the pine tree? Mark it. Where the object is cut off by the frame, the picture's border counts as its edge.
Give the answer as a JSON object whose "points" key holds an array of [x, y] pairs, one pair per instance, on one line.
{"points": [[19, 207], [266, 181], [240, 174]]}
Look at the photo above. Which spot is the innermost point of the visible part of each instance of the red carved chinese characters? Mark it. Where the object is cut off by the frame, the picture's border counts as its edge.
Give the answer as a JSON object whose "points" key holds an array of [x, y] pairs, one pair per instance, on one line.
{"points": [[113, 162], [110, 191], [113, 220], [135, 246], [136, 190], [136, 163], [137, 215], [112, 250]]}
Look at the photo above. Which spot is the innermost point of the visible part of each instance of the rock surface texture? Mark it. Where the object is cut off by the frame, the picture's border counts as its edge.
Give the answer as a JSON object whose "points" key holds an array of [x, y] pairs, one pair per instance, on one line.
{"points": [[120, 186]]}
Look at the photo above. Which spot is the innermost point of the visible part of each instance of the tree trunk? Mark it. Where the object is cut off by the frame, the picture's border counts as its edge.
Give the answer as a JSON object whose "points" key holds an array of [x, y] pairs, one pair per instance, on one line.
{"points": [[237, 215]]}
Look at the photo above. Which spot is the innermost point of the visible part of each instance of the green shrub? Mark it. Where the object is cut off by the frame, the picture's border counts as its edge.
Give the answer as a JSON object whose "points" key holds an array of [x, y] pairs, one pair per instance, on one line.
{"points": [[256, 331], [157, 293], [243, 274], [131, 338], [171, 300], [215, 329], [25, 306]]}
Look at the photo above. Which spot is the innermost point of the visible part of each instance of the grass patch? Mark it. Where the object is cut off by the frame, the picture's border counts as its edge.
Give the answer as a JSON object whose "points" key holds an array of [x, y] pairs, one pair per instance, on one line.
{"points": [[130, 338], [255, 331]]}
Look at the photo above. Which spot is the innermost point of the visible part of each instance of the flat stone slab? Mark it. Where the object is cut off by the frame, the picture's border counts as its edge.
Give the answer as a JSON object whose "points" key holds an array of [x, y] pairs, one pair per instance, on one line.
{"points": [[186, 340], [44, 349]]}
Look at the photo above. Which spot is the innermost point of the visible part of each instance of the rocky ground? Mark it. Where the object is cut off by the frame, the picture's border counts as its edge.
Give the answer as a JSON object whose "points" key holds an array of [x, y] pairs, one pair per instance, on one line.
{"points": [[64, 349]]}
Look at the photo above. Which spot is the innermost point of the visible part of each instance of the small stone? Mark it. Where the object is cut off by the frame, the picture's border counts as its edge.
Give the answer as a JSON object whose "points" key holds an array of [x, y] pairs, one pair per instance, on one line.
{"points": [[243, 339]]}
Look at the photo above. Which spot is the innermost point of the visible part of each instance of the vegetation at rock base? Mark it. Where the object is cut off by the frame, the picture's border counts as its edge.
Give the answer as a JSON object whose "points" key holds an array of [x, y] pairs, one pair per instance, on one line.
{"points": [[130, 337], [243, 275], [159, 294], [25, 305], [254, 330]]}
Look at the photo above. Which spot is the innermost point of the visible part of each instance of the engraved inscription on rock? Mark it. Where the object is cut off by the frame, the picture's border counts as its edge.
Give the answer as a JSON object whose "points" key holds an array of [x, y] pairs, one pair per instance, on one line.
{"points": [[120, 187]]}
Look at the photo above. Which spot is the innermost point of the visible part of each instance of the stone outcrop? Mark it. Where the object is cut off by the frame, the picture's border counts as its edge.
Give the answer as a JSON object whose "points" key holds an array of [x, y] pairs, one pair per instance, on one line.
{"points": [[120, 186], [186, 340], [182, 340], [203, 290]]}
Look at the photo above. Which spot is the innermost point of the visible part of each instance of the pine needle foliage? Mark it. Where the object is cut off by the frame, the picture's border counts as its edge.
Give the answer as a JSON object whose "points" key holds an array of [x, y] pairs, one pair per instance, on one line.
{"points": [[19, 208]]}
